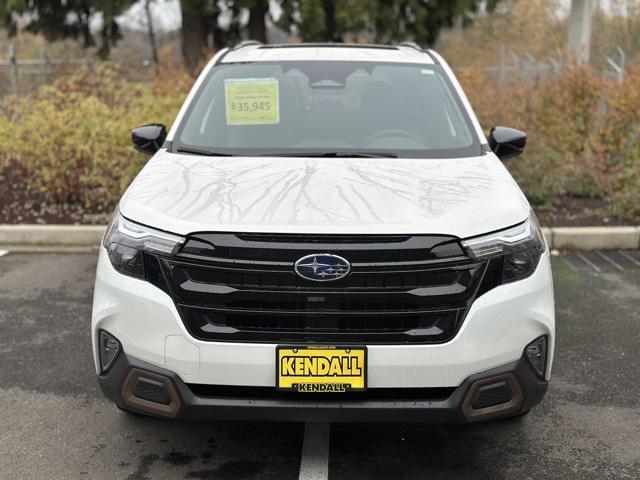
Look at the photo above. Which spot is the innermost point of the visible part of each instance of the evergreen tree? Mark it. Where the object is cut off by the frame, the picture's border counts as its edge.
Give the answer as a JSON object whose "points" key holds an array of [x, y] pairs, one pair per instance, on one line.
{"points": [[57, 19], [384, 21], [419, 20]]}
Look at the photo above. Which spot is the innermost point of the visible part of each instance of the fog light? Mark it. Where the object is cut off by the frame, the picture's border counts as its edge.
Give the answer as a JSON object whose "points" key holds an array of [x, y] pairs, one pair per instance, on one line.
{"points": [[109, 349], [536, 353]]}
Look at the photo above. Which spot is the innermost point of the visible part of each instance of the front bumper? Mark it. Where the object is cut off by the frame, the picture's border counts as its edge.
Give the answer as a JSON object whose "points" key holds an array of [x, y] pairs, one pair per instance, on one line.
{"points": [[528, 390], [496, 330]]}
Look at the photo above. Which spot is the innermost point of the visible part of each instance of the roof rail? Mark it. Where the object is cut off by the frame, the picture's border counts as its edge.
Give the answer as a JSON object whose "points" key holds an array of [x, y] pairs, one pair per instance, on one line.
{"points": [[417, 47], [237, 46], [328, 45], [246, 43], [413, 45]]}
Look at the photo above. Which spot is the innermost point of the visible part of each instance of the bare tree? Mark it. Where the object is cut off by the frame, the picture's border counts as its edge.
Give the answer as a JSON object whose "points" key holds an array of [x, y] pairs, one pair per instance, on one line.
{"points": [[257, 27], [152, 35]]}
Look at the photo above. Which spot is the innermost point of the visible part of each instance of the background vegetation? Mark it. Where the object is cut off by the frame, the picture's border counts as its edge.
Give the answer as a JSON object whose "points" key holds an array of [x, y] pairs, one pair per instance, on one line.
{"points": [[68, 143], [208, 24]]}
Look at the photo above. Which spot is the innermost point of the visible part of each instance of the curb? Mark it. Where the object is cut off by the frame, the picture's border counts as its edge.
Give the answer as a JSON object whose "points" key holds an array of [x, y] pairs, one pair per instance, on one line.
{"points": [[50, 238], [83, 238], [596, 238]]}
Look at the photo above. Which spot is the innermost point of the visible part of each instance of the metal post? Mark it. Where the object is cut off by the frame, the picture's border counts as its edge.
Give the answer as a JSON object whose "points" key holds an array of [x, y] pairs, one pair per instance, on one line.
{"points": [[555, 64], [618, 68], [13, 57], [502, 74], [45, 65], [516, 62], [530, 69], [580, 20], [623, 61]]}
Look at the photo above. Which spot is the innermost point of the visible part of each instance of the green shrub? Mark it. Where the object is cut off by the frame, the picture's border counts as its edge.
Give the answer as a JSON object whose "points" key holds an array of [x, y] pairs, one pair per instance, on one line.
{"points": [[583, 133], [71, 139], [531, 170], [625, 201]]}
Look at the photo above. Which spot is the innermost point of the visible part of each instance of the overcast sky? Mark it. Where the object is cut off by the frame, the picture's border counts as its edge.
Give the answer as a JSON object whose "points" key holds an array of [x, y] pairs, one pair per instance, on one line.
{"points": [[166, 15]]}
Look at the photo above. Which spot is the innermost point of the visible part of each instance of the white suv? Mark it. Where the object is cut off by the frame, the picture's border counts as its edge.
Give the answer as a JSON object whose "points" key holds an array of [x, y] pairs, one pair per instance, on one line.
{"points": [[325, 233]]}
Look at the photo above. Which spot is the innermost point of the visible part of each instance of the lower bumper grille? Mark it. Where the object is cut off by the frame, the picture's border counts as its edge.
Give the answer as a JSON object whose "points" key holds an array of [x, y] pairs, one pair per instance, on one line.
{"points": [[337, 328], [225, 391], [229, 292]]}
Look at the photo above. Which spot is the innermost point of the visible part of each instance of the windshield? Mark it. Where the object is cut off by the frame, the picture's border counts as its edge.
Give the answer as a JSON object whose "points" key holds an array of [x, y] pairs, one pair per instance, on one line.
{"points": [[327, 108]]}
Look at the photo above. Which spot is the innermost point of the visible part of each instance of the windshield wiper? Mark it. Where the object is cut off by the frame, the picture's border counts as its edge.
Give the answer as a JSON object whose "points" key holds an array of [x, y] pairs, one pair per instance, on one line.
{"points": [[334, 155], [208, 153]]}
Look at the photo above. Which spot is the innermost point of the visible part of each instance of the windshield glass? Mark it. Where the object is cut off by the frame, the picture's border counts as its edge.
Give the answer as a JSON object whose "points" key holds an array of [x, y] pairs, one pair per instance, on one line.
{"points": [[327, 108]]}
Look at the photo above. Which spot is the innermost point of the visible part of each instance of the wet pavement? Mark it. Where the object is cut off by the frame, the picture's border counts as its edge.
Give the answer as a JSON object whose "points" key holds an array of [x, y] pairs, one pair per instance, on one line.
{"points": [[56, 424]]}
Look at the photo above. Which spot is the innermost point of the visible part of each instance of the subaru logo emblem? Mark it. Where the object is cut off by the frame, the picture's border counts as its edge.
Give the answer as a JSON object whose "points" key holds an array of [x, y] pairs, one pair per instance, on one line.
{"points": [[322, 267]]}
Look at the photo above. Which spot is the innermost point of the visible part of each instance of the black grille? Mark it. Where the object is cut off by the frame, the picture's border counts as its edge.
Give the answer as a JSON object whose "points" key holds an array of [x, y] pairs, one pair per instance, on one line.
{"points": [[490, 395], [152, 391], [401, 289], [298, 238]]}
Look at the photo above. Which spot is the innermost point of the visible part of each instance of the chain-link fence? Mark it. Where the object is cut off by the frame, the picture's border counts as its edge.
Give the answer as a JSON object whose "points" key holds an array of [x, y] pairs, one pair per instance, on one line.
{"points": [[529, 67], [20, 75]]}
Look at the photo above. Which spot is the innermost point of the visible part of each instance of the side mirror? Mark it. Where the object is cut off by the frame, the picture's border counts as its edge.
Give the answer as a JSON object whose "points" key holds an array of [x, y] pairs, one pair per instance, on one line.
{"points": [[507, 142], [149, 139]]}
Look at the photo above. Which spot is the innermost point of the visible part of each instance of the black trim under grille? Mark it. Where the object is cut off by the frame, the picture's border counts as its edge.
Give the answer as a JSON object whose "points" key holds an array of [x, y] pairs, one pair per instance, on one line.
{"points": [[401, 289]]}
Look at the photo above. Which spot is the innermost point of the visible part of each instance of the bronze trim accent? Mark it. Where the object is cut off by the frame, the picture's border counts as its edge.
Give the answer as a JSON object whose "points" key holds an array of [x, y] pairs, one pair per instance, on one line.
{"points": [[494, 411], [156, 408]]}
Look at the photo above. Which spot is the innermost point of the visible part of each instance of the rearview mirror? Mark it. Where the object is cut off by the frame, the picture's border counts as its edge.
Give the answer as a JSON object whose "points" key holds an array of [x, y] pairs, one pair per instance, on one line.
{"points": [[507, 142], [149, 139]]}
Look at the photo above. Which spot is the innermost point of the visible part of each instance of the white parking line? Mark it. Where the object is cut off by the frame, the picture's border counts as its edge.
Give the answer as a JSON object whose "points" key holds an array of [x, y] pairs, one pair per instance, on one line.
{"points": [[615, 264], [571, 265], [314, 463], [589, 262], [629, 257]]}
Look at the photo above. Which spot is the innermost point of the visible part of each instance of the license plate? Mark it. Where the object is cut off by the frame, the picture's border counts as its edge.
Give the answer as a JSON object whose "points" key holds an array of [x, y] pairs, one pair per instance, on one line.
{"points": [[325, 369]]}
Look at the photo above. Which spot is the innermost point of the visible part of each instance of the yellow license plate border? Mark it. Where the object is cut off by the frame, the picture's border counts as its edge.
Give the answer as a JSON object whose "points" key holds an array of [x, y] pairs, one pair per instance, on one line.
{"points": [[363, 348]]}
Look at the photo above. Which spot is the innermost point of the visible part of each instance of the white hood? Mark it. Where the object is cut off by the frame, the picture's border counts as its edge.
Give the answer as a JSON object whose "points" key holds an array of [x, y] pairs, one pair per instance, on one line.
{"points": [[461, 197]]}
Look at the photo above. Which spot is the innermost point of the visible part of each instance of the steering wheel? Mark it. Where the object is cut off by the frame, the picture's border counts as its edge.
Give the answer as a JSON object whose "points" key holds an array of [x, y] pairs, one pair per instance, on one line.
{"points": [[392, 132]]}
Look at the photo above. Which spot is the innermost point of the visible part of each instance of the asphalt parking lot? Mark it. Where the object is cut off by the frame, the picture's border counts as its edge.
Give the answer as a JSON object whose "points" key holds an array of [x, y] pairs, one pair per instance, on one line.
{"points": [[56, 424]]}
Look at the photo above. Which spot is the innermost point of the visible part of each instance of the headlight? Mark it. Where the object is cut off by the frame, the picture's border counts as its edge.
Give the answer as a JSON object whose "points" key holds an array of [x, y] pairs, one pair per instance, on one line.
{"points": [[127, 241], [521, 247]]}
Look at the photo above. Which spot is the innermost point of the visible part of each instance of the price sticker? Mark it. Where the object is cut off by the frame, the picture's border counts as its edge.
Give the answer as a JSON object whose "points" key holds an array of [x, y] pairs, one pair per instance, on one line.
{"points": [[252, 101]]}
